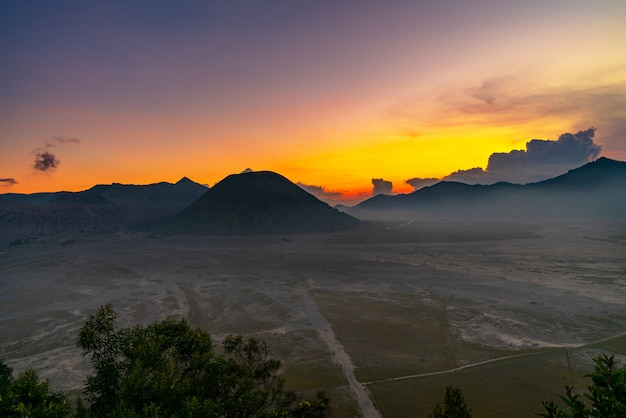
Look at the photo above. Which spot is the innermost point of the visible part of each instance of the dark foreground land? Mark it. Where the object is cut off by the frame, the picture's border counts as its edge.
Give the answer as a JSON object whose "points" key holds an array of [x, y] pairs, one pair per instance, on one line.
{"points": [[383, 317]]}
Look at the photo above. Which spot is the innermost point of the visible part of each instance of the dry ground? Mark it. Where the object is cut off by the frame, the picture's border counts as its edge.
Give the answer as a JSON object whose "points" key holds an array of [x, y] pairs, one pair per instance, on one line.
{"points": [[373, 305]]}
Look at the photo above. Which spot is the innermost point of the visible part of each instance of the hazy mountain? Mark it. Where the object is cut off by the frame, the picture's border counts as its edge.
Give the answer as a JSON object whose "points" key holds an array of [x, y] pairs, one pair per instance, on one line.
{"points": [[256, 203], [103, 208], [595, 190]]}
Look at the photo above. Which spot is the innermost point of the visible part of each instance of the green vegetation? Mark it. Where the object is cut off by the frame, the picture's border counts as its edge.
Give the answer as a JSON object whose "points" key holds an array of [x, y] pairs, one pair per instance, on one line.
{"points": [[453, 405], [607, 394], [27, 396], [169, 369], [166, 369]]}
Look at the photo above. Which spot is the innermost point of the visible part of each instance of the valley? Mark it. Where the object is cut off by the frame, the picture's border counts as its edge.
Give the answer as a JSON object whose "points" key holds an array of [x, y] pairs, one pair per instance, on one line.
{"points": [[389, 314]]}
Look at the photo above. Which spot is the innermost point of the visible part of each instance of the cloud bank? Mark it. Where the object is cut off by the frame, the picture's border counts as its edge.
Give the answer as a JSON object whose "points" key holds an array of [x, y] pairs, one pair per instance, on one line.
{"points": [[542, 159], [319, 191], [418, 183], [381, 187]]}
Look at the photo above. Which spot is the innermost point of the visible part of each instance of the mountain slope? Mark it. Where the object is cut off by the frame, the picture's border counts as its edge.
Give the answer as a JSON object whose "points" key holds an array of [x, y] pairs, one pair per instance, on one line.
{"points": [[256, 203], [595, 190], [103, 208]]}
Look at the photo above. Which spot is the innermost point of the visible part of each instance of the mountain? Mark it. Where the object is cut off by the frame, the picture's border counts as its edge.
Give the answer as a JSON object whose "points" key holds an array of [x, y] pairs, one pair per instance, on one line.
{"points": [[103, 208], [260, 202], [596, 190]]}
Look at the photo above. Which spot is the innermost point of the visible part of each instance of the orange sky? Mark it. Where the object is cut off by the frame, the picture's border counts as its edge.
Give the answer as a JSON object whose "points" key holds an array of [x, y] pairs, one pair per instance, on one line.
{"points": [[330, 95]]}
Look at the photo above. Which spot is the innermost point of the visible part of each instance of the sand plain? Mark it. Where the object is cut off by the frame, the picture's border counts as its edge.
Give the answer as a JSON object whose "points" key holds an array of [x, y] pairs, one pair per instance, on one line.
{"points": [[383, 317]]}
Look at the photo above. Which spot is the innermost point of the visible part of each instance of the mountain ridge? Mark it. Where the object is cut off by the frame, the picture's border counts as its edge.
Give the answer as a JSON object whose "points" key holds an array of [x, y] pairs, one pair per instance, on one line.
{"points": [[99, 209], [595, 190]]}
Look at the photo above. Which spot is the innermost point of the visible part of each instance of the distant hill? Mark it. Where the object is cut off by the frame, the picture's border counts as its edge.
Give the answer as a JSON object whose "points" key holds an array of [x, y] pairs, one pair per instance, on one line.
{"points": [[596, 190], [103, 208], [261, 202]]}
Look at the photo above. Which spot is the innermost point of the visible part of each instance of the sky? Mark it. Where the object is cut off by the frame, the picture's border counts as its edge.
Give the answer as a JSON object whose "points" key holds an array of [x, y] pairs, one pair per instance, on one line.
{"points": [[345, 98]]}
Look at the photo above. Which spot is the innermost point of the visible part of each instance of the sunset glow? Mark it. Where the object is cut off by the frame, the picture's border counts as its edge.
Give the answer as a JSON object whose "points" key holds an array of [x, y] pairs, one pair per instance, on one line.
{"points": [[330, 94]]}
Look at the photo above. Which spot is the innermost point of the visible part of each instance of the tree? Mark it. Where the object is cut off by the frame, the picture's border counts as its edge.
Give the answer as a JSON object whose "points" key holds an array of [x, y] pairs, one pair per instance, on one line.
{"points": [[453, 405], [169, 369], [607, 394], [27, 396]]}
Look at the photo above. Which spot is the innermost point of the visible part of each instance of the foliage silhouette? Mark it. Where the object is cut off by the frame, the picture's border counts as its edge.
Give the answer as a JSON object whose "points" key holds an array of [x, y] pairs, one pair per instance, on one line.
{"points": [[607, 394], [453, 405], [169, 369], [28, 396]]}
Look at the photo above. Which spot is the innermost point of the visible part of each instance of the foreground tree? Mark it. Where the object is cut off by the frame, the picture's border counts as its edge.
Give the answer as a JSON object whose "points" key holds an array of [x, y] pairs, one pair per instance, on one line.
{"points": [[28, 396], [453, 405], [169, 369], [607, 394]]}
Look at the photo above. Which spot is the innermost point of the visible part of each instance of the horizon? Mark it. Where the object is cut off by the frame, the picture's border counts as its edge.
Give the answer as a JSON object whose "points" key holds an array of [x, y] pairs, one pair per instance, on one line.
{"points": [[345, 101], [310, 189]]}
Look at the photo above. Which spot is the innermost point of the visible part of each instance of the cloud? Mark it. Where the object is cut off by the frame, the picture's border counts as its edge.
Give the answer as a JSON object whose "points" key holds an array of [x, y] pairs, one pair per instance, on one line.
{"points": [[517, 101], [540, 160], [418, 183], [7, 182], [577, 148], [319, 191], [381, 187], [472, 176], [60, 140], [45, 161]]}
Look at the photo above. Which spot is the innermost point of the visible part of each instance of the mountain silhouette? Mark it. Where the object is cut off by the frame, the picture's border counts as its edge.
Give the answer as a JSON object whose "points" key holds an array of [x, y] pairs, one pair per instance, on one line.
{"points": [[595, 190], [261, 202], [102, 208]]}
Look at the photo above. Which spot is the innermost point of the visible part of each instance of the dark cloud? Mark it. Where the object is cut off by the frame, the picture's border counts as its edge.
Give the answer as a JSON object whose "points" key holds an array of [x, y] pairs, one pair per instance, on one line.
{"points": [[472, 176], [381, 187], [8, 182], [45, 161], [540, 160], [417, 183], [319, 191]]}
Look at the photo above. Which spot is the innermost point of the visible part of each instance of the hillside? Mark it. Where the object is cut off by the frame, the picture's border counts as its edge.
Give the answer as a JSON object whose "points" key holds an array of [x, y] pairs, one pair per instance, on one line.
{"points": [[261, 202], [100, 209], [596, 190]]}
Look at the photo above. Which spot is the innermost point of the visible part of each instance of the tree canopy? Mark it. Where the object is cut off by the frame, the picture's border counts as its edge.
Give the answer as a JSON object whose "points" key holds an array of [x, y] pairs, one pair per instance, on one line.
{"points": [[453, 405], [28, 396], [170, 369], [606, 397]]}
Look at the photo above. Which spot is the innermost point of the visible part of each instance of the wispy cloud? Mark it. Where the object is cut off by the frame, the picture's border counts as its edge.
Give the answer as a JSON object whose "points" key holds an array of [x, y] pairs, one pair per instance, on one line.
{"points": [[60, 140], [519, 101], [8, 182]]}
